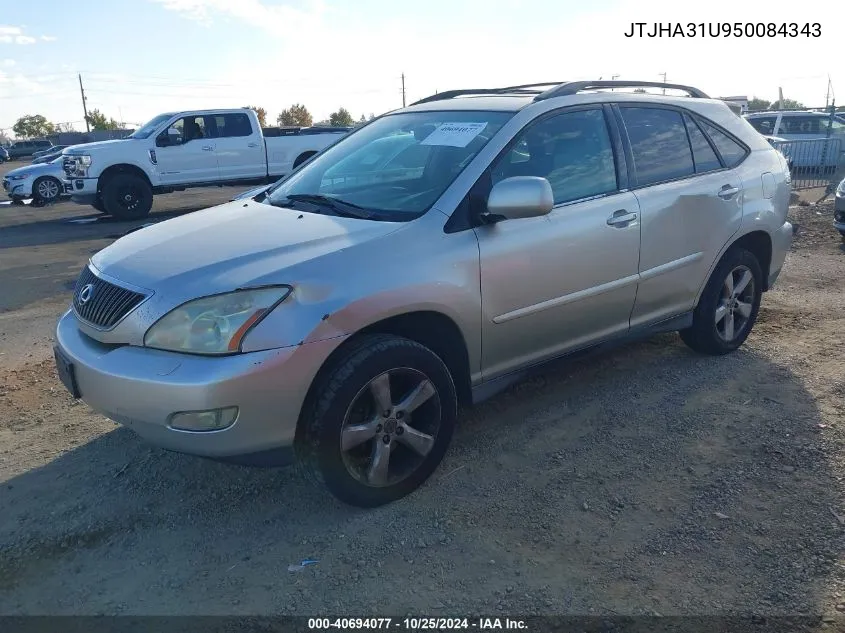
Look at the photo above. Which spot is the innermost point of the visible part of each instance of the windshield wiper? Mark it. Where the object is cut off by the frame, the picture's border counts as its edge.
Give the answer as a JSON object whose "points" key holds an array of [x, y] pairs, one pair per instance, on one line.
{"points": [[340, 207]]}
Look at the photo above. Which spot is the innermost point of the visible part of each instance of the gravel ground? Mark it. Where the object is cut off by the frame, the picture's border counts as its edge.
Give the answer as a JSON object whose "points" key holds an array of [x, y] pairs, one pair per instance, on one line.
{"points": [[645, 480]]}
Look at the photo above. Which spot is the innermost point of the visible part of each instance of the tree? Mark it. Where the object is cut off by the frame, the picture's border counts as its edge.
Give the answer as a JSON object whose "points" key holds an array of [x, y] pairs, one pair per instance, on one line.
{"points": [[758, 104], [261, 113], [341, 118], [787, 104], [65, 127], [98, 121], [32, 125], [297, 115]]}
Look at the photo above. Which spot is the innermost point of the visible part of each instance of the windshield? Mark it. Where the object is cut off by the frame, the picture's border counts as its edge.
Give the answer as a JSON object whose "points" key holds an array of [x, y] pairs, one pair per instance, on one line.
{"points": [[396, 167], [150, 126]]}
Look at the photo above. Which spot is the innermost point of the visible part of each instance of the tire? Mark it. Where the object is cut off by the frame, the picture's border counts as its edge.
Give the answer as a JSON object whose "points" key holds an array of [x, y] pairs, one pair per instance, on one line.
{"points": [[98, 205], [127, 197], [345, 407], [47, 190], [302, 158], [711, 335]]}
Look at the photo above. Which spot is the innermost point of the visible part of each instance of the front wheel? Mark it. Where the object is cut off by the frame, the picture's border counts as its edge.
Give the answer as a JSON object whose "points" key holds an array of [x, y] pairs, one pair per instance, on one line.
{"points": [[46, 190], [381, 422], [728, 306], [127, 197]]}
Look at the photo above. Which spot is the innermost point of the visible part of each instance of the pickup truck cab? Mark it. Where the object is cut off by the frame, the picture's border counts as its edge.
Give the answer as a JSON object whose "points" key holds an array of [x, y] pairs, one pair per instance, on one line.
{"points": [[178, 150]]}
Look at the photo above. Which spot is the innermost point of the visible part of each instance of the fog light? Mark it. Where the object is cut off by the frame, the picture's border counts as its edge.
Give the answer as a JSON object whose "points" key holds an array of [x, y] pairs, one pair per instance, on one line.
{"points": [[212, 420]]}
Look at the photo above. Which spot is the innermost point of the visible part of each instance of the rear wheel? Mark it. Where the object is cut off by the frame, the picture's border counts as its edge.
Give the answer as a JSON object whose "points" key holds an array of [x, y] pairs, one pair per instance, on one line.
{"points": [[127, 197], [728, 306], [302, 158], [46, 189], [381, 422]]}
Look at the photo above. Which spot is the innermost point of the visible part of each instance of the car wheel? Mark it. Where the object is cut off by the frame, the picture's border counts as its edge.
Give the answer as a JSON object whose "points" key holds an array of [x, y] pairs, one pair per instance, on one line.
{"points": [[47, 189], [381, 421], [127, 197], [302, 158], [728, 306]]}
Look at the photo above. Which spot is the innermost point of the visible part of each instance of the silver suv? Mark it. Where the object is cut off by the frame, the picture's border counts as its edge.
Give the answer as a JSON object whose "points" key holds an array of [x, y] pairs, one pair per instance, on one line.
{"points": [[426, 260]]}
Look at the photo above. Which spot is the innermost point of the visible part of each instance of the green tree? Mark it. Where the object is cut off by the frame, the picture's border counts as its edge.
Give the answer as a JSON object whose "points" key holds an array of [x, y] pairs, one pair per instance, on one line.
{"points": [[98, 121], [261, 113], [341, 118], [297, 115], [756, 104], [32, 125], [787, 104]]}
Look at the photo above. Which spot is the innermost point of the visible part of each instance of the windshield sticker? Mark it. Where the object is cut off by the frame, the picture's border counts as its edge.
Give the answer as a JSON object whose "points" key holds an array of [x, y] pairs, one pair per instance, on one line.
{"points": [[454, 134]]}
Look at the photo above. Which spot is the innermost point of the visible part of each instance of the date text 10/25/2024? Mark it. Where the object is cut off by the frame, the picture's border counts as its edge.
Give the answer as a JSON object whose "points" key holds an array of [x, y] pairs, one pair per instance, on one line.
{"points": [[724, 29], [417, 624]]}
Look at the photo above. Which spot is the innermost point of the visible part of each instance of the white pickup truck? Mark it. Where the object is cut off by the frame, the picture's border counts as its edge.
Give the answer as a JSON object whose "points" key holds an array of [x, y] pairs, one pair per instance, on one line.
{"points": [[178, 150]]}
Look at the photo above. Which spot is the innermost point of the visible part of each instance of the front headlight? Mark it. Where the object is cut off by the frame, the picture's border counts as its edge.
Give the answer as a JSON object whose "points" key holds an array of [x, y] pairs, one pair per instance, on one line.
{"points": [[19, 177], [76, 166], [214, 325]]}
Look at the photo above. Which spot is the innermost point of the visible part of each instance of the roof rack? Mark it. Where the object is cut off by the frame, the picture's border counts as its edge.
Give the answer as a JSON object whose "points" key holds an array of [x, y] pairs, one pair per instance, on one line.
{"points": [[523, 89], [574, 87], [559, 89]]}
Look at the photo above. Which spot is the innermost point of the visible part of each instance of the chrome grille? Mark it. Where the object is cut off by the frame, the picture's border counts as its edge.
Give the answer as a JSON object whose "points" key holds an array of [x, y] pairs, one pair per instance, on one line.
{"points": [[100, 303]]}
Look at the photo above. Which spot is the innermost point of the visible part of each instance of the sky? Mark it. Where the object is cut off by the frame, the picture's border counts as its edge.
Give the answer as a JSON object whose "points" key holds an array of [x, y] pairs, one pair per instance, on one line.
{"points": [[138, 58]]}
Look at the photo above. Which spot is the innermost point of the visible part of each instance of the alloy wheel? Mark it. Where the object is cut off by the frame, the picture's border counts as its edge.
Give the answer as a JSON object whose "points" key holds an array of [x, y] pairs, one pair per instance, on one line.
{"points": [[733, 311], [385, 438], [48, 189]]}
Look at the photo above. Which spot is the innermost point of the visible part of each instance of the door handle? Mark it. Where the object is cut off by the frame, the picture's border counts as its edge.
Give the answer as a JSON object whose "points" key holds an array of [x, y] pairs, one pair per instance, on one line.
{"points": [[621, 218], [252, 144], [727, 192], [207, 148]]}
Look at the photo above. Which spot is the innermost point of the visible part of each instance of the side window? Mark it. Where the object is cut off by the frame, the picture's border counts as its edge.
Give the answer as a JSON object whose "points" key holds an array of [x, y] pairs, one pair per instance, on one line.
{"points": [[571, 150], [233, 125], [836, 127], [800, 125], [732, 152], [703, 155], [764, 125], [193, 128], [659, 144]]}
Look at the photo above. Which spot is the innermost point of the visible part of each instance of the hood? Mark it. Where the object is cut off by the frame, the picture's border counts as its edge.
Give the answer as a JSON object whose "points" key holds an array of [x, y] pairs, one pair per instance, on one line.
{"points": [[85, 148], [36, 169], [230, 246]]}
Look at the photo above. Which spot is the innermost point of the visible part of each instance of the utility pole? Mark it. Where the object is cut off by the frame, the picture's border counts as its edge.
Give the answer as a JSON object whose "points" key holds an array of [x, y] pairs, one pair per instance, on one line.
{"points": [[84, 107], [664, 81], [403, 90]]}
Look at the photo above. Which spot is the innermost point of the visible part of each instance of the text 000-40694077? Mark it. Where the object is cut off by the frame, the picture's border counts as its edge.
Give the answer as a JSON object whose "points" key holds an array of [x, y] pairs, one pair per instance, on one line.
{"points": [[724, 29]]}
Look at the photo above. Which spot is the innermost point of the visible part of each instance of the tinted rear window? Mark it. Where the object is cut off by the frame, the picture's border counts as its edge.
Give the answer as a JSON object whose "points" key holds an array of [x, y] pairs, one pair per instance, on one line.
{"points": [[702, 152], [659, 144]]}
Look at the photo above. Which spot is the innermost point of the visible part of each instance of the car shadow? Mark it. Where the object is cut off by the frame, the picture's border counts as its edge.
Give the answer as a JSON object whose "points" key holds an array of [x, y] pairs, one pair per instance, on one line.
{"points": [[645, 479]]}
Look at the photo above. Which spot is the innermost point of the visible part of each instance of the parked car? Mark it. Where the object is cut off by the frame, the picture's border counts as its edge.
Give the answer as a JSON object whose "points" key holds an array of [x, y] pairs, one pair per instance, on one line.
{"points": [[810, 129], [839, 209], [344, 324], [54, 149], [42, 183], [4, 154], [178, 150], [23, 149]]}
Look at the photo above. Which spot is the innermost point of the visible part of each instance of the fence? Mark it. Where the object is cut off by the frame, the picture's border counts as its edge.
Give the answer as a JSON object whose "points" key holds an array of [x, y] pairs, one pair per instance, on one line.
{"points": [[812, 162]]}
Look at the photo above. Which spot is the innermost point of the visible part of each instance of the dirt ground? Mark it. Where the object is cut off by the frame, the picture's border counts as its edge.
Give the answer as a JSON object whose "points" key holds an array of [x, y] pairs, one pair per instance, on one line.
{"points": [[645, 480]]}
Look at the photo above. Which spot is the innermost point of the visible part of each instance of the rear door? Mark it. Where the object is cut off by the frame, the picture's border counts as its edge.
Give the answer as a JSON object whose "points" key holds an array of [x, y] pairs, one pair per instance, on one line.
{"points": [[690, 198], [239, 147], [190, 159]]}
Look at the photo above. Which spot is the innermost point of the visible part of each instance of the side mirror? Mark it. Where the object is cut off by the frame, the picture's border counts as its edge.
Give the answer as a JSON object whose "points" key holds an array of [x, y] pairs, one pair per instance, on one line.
{"points": [[519, 197]]}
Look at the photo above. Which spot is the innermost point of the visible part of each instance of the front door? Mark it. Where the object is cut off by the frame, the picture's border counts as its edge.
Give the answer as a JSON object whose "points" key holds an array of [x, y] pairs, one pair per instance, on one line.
{"points": [[559, 282], [190, 157]]}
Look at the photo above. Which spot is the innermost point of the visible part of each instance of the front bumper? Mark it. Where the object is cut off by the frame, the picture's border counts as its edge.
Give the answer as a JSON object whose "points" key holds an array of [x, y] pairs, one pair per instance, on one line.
{"points": [[141, 387], [18, 188], [81, 190], [781, 243]]}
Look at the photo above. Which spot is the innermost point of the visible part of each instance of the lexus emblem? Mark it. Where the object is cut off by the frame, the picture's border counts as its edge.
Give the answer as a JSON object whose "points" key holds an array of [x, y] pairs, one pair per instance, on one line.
{"points": [[85, 294]]}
